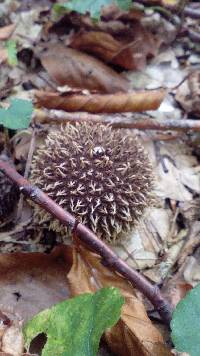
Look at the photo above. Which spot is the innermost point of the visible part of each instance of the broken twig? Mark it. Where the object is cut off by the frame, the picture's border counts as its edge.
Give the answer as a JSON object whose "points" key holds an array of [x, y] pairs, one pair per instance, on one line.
{"points": [[42, 116], [110, 259]]}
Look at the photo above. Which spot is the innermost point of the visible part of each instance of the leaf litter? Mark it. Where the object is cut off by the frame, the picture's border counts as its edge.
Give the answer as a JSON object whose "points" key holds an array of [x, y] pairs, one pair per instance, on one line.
{"points": [[165, 244]]}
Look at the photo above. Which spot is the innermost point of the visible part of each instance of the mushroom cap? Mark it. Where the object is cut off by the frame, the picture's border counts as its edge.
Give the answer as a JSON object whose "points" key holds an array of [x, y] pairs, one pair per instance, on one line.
{"points": [[100, 175]]}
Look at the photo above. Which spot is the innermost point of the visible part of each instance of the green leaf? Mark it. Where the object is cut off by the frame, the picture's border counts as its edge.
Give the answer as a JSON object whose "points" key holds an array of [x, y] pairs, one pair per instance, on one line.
{"points": [[18, 115], [124, 4], [74, 327], [12, 52], [185, 323], [92, 6]]}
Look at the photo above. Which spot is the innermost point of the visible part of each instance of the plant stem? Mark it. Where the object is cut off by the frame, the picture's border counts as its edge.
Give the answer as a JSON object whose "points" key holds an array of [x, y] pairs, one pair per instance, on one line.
{"points": [[110, 259]]}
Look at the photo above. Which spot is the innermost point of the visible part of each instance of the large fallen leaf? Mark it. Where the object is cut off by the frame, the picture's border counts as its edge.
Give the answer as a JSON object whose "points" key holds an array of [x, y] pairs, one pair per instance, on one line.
{"points": [[185, 323], [68, 66], [130, 52], [134, 334], [31, 282], [74, 327], [102, 103]]}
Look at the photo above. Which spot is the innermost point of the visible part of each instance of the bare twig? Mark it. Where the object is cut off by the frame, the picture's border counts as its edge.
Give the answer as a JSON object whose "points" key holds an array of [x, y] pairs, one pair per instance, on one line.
{"points": [[191, 12], [110, 259], [117, 121]]}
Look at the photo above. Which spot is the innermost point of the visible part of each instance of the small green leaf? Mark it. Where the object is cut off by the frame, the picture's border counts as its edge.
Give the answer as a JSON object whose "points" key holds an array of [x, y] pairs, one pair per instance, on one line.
{"points": [[12, 52], [92, 6], [124, 4], [74, 327], [185, 323], [18, 115]]}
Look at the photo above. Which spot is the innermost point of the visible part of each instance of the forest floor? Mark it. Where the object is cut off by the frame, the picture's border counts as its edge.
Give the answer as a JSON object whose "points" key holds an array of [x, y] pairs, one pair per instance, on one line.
{"points": [[151, 48]]}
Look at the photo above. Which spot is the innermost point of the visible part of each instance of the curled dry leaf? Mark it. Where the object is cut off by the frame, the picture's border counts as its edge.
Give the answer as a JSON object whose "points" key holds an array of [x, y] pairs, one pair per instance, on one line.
{"points": [[6, 32], [31, 282], [129, 53], [134, 333], [102, 103], [68, 66]]}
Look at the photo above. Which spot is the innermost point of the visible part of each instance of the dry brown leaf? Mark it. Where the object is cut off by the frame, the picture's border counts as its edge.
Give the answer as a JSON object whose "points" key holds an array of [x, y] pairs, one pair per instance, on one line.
{"points": [[179, 292], [31, 282], [3, 55], [68, 66], [21, 144], [6, 32], [129, 53], [134, 334], [102, 103], [104, 46], [188, 93]]}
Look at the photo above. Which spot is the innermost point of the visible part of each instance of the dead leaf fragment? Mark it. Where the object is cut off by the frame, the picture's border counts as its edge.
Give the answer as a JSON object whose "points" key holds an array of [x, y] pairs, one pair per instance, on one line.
{"points": [[3, 55], [188, 93], [11, 337], [68, 66], [102, 103], [180, 292], [6, 32], [134, 334], [12, 341], [31, 282]]}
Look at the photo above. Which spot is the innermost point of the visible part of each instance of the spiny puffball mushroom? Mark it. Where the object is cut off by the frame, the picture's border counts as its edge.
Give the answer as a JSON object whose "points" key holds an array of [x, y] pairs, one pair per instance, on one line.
{"points": [[100, 175]]}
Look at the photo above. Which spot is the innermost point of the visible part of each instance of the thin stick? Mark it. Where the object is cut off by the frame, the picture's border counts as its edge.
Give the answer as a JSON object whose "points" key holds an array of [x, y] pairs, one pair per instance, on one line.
{"points": [[110, 259], [117, 121], [191, 12]]}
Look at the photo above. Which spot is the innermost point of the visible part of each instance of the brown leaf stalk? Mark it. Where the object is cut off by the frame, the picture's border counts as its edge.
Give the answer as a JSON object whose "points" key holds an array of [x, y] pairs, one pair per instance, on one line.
{"points": [[102, 103], [110, 259], [43, 116]]}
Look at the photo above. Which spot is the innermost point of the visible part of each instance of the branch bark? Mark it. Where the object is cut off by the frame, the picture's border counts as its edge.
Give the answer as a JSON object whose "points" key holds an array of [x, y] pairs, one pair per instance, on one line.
{"points": [[110, 259], [42, 116]]}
